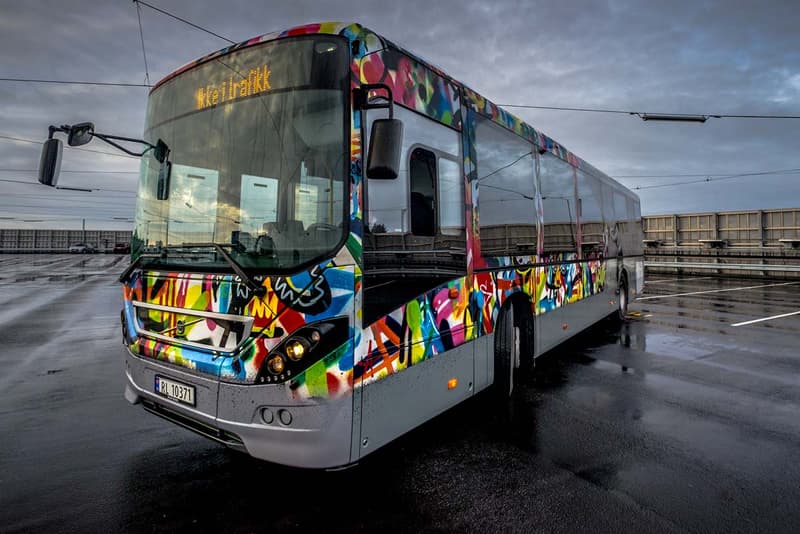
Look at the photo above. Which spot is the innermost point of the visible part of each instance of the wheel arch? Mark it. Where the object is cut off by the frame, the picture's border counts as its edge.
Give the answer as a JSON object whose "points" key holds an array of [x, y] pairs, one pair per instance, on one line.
{"points": [[623, 274]]}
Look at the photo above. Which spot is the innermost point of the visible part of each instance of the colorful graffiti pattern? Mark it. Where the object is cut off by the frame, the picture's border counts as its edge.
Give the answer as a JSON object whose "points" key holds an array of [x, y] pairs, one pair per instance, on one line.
{"points": [[413, 84], [466, 308]]}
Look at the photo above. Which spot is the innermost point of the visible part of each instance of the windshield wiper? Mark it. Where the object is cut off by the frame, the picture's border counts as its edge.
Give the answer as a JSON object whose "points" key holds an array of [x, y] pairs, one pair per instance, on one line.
{"points": [[258, 290]]}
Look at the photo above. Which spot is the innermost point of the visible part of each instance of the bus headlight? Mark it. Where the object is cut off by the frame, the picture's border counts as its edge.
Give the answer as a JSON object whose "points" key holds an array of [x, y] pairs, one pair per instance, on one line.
{"points": [[296, 348], [302, 348], [276, 364]]}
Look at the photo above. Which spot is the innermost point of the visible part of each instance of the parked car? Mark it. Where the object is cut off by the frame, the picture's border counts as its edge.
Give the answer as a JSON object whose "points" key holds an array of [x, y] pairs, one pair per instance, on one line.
{"points": [[122, 248], [82, 248]]}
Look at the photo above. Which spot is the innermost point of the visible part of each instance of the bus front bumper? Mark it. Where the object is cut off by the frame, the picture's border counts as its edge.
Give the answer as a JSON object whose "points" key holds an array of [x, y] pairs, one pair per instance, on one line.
{"points": [[261, 420]]}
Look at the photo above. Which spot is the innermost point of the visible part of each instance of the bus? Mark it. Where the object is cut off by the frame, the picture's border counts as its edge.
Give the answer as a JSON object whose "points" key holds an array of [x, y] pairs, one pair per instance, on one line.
{"points": [[335, 241]]}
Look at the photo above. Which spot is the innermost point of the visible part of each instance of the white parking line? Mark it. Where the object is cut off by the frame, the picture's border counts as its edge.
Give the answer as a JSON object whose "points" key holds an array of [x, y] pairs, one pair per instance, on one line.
{"points": [[716, 291], [766, 318], [664, 280]]}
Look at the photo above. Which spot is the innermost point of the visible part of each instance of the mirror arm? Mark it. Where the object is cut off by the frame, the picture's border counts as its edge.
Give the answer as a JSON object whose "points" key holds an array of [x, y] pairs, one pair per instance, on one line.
{"points": [[362, 97], [108, 139], [53, 129]]}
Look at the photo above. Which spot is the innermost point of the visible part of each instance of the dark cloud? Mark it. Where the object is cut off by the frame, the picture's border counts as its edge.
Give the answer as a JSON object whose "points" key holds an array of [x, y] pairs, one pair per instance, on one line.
{"points": [[730, 57]]}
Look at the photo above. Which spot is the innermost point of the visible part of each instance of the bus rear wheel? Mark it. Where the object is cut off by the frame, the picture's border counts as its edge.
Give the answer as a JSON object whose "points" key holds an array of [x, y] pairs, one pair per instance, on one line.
{"points": [[622, 310], [506, 353]]}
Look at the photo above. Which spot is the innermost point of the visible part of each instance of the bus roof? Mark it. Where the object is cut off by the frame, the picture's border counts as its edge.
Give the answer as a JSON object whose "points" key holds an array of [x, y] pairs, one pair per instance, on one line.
{"points": [[372, 42]]}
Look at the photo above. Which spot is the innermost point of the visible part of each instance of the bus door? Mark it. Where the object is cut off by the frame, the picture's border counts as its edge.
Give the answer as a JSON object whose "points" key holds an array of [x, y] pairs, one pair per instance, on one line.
{"points": [[414, 252]]}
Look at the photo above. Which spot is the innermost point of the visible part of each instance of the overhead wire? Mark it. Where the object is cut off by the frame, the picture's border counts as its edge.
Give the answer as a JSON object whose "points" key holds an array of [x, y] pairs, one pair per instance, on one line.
{"points": [[20, 139], [715, 179], [110, 209], [144, 54], [615, 176], [73, 82], [89, 189], [73, 171], [193, 25], [641, 113], [706, 174]]}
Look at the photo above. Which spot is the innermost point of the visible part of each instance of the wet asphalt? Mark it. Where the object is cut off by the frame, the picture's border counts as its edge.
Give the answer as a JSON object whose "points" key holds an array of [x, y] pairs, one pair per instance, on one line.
{"points": [[674, 422]]}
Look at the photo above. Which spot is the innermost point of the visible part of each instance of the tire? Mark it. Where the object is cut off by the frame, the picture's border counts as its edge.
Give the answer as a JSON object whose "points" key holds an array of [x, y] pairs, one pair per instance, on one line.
{"points": [[624, 298], [506, 354]]}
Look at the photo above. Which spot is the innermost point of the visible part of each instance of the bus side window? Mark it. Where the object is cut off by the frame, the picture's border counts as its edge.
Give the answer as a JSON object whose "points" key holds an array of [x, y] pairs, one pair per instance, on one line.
{"points": [[422, 201], [590, 202], [556, 178], [506, 191]]}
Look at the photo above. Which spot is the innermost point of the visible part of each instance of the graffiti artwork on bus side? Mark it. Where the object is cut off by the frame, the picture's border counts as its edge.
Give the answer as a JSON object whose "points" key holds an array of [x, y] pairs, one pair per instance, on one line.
{"points": [[559, 284], [451, 315], [439, 320], [413, 84]]}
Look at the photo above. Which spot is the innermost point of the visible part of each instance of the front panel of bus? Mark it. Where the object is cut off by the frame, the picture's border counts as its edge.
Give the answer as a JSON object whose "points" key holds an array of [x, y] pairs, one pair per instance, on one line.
{"points": [[260, 160]]}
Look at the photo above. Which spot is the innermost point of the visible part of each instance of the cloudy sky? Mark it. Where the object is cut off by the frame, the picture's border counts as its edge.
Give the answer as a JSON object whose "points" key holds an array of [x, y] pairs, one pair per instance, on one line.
{"points": [[701, 57]]}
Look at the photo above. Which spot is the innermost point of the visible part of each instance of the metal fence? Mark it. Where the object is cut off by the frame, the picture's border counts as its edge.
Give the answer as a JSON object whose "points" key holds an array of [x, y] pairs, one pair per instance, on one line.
{"points": [[750, 243], [21, 241]]}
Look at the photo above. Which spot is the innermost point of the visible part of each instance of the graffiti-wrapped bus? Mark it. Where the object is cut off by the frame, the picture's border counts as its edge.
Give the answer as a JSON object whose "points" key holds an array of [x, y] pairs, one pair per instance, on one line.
{"points": [[335, 241]]}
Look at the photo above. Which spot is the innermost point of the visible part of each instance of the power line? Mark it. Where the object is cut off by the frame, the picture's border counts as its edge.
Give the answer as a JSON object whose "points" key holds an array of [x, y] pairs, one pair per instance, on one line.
{"points": [[73, 171], [113, 209], [706, 174], [717, 179], [20, 139], [18, 182], [25, 182], [11, 138], [554, 108], [70, 82], [144, 54], [666, 175], [119, 200], [184, 21], [56, 217], [66, 189], [642, 114]]}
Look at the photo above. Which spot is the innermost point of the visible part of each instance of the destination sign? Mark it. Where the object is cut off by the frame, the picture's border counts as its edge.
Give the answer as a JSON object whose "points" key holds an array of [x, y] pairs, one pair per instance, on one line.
{"points": [[254, 72], [235, 87]]}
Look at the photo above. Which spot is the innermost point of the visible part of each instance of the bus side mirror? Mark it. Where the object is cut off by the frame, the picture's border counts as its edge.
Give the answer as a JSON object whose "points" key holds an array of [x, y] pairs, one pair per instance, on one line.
{"points": [[385, 144], [80, 134], [50, 162]]}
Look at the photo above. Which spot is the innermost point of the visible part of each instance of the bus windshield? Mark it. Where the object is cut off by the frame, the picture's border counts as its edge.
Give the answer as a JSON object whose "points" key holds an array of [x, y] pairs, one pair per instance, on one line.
{"points": [[258, 154]]}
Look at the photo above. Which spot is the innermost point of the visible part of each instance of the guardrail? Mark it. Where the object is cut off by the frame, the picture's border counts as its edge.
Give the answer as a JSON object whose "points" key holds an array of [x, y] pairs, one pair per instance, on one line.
{"points": [[755, 228], [737, 243], [722, 266]]}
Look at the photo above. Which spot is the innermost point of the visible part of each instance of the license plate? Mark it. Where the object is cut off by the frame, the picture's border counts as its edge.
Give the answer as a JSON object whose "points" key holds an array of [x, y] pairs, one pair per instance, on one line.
{"points": [[177, 391]]}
